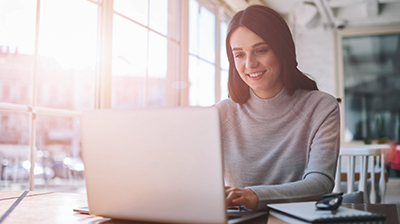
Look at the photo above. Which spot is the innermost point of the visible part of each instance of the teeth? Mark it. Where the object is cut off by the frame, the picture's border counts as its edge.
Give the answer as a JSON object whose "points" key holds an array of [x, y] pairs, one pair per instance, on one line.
{"points": [[256, 74]]}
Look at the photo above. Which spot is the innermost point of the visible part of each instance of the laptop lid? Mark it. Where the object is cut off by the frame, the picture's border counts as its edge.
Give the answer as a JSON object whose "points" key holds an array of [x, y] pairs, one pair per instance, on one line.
{"points": [[160, 165]]}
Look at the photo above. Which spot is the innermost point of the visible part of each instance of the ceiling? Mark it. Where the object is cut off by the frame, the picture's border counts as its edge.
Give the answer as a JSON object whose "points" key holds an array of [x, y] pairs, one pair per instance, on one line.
{"points": [[282, 6], [332, 13]]}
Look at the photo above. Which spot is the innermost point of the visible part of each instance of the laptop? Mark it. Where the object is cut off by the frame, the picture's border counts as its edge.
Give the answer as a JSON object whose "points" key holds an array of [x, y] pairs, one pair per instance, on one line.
{"points": [[156, 165]]}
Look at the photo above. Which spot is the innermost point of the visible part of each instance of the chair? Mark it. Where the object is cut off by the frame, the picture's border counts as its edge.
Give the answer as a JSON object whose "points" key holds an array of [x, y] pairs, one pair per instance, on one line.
{"points": [[358, 163]]}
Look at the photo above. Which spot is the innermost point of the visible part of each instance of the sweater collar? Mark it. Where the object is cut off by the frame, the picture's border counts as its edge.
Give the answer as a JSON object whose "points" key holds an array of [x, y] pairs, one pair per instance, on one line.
{"points": [[272, 107]]}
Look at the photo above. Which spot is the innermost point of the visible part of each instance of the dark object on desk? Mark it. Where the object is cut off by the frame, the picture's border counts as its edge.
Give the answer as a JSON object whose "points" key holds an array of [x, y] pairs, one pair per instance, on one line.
{"points": [[306, 212], [330, 202], [82, 210]]}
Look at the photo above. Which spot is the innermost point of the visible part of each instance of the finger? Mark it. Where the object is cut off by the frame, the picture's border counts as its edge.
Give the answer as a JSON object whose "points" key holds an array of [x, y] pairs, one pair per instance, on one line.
{"points": [[235, 194], [239, 201], [233, 189], [249, 199], [231, 196], [228, 190]]}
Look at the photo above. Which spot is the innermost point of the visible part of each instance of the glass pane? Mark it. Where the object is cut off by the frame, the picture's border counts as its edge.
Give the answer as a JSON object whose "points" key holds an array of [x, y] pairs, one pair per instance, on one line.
{"points": [[201, 32], [67, 50], [14, 150], [207, 35], [157, 56], [202, 82], [58, 158], [193, 26], [129, 64], [17, 44], [136, 10], [159, 16], [372, 87], [224, 84], [157, 69]]}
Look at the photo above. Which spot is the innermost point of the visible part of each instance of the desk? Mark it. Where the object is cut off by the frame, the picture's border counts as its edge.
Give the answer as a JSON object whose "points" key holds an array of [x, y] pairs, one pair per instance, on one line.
{"points": [[55, 208]]}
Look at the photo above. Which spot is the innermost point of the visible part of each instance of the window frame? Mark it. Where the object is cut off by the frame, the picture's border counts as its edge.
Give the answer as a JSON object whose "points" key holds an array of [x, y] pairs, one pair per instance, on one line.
{"points": [[174, 24], [222, 13]]}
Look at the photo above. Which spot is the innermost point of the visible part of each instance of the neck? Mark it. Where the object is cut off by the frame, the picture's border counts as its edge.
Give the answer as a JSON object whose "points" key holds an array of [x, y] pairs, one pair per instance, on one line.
{"points": [[271, 107]]}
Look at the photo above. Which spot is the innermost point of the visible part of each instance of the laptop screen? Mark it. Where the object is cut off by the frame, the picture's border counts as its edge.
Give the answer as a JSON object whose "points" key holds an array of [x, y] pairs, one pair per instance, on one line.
{"points": [[154, 164]]}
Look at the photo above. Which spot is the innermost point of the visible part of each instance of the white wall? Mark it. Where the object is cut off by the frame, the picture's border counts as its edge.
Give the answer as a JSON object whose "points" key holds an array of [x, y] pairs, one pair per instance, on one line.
{"points": [[316, 55]]}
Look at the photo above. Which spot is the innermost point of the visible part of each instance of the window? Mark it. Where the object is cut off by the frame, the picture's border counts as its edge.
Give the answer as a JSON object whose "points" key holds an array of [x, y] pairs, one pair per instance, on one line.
{"points": [[67, 54], [371, 83], [144, 34], [207, 55], [58, 58], [17, 44], [201, 53], [45, 82]]}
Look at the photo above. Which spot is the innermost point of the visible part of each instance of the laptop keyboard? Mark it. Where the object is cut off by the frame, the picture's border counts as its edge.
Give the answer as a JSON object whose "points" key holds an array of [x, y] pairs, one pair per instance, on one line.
{"points": [[233, 216]]}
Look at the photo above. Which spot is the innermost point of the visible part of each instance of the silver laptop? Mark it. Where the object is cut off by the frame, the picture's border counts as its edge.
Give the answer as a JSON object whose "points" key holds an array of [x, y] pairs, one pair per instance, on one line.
{"points": [[157, 165]]}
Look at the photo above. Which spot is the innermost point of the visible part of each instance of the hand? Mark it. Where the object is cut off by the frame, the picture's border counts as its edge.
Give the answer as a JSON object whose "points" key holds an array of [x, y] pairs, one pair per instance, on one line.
{"points": [[241, 196]]}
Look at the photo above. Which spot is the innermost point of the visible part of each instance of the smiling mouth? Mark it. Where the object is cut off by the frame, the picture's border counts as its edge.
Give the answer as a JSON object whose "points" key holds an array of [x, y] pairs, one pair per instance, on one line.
{"points": [[254, 75]]}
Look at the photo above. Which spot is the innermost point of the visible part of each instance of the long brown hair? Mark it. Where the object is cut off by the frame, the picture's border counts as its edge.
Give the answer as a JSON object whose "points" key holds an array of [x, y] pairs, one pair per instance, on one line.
{"points": [[272, 28]]}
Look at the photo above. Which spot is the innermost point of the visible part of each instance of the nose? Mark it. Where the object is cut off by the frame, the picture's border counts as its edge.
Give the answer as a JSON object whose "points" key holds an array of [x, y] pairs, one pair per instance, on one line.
{"points": [[251, 61]]}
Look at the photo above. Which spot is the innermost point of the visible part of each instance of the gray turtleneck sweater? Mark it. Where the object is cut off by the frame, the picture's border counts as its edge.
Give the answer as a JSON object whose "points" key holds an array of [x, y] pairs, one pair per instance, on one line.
{"points": [[285, 148]]}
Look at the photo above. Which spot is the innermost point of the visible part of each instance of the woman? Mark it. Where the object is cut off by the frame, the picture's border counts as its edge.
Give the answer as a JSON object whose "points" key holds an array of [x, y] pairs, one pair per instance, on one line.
{"points": [[280, 134]]}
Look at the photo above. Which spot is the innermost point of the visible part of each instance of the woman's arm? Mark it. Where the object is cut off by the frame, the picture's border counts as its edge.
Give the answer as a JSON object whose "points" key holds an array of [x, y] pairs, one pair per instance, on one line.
{"points": [[309, 189]]}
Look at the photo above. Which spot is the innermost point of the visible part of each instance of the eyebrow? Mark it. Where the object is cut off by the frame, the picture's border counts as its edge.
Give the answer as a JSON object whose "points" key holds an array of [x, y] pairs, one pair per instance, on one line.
{"points": [[254, 46]]}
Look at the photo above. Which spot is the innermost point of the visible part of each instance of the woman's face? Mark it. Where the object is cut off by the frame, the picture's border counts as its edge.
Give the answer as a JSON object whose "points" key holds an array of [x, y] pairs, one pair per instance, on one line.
{"points": [[256, 63]]}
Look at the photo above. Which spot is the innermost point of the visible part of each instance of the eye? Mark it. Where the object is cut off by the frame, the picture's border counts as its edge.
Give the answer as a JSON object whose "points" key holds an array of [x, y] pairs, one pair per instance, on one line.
{"points": [[261, 50], [238, 55]]}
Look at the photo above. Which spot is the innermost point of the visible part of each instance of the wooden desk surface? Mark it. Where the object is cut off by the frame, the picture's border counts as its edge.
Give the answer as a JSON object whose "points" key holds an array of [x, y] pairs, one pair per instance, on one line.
{"points": [[41, 207], [54, 207]]}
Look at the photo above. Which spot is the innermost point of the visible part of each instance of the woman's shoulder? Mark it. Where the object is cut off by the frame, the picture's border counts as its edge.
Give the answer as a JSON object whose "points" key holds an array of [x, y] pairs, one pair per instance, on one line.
{"points": [[316, 97], [316, 101], [226, 104], [228, 109]]}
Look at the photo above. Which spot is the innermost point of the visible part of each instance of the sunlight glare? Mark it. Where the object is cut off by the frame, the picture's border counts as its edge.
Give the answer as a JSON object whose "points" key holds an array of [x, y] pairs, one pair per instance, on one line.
{"points": [[129, 48], [17, 25], [68, 32]]}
